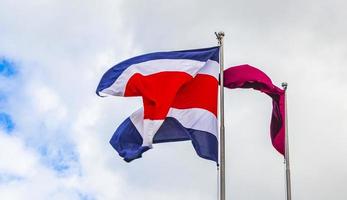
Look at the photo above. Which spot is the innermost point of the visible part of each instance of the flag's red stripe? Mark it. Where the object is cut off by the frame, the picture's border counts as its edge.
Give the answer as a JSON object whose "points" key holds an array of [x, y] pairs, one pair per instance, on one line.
{"points": [[200, 92], [163, 90], [157, 90]]}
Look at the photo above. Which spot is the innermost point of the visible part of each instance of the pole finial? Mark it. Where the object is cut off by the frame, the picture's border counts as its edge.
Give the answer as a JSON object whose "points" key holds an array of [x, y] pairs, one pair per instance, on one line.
{"points": [[284, 85], [219, 36]]}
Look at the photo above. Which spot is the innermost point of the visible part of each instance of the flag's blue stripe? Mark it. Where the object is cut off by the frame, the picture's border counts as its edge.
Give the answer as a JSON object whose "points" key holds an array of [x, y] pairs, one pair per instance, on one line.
{"points": [[205, 143], [197, 54], [127, 140]]}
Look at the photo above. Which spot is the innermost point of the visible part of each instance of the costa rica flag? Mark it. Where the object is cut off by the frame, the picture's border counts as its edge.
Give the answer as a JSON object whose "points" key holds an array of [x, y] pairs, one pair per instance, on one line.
{"points": [[179, 91]]}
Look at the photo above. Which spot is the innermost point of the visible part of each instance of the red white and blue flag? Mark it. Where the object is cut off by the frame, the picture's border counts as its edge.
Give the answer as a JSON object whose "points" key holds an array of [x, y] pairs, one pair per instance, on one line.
{"points": [[179, 91]]}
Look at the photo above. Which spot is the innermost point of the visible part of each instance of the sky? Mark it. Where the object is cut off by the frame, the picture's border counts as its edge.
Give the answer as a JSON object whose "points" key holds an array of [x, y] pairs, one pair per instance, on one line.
{"points": [[55, 131]]}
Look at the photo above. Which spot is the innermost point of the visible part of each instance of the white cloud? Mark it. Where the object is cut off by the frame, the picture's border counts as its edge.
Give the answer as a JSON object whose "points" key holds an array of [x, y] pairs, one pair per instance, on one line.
{"points": [[33, 180], [21, 166]]}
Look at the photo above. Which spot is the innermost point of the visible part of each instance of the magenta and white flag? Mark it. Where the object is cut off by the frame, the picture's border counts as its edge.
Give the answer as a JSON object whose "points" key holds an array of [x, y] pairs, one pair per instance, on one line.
{"points": [[246, 76]]}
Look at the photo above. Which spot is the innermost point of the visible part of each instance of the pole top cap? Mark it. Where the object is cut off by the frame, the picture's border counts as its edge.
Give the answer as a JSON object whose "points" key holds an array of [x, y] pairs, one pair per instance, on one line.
{"points": [[284, 85], [219, 35]]}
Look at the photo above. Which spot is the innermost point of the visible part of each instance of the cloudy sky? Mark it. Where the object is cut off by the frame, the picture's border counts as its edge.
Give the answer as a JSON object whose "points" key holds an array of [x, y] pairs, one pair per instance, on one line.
{"points": [[54, 130]]}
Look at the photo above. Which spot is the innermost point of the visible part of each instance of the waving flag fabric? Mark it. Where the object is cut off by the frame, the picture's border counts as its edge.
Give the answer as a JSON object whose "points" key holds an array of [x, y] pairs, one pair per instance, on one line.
{"points": [[246, 76], [179, 91]]}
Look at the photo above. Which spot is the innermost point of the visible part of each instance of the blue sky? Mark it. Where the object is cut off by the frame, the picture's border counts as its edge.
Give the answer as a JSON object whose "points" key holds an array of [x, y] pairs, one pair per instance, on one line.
{"points": [[7, 71], [54, 130], [57, 158], [6, 122], [58, 155], [7, 68]]}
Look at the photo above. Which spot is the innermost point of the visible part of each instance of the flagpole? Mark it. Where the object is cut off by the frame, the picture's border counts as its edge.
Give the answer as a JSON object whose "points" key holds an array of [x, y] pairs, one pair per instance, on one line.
{"points": [[286, 153], [220, 36]]}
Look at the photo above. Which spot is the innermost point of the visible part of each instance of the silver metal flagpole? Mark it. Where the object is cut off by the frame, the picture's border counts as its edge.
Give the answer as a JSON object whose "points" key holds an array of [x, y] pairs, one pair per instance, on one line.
{"points": [[286, 153], [220, 36]]}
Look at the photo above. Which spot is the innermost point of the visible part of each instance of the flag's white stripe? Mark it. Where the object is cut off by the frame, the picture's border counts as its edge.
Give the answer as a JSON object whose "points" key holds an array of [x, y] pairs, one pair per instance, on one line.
{"points": [[192, 118], [196, 118], [191, 67], [211, 67]]}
